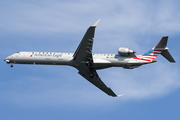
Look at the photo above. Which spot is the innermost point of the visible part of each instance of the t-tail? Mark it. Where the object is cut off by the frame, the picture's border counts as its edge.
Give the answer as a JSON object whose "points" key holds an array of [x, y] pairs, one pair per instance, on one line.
{"points": [[159, 49]]}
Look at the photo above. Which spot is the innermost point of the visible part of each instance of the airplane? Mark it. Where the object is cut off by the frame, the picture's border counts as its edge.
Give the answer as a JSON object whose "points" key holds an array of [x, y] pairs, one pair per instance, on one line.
{"points": [[87, 62]]}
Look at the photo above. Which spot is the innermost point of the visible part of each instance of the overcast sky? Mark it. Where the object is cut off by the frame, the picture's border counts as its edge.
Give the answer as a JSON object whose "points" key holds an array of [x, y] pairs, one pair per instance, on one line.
{"points": [[35, 92]]}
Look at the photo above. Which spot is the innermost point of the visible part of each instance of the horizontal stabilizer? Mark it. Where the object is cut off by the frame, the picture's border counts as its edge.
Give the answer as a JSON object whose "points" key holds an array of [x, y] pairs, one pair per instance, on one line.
{"points": [[167, 55]]}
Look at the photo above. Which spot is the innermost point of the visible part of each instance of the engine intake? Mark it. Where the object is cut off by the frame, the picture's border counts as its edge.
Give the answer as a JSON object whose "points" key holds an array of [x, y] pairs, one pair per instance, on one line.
{"points": [[125, 52]]}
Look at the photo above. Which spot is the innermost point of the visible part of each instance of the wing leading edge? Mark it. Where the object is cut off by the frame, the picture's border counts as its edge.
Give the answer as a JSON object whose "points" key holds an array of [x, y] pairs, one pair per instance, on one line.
{"points": [[84, 60]]}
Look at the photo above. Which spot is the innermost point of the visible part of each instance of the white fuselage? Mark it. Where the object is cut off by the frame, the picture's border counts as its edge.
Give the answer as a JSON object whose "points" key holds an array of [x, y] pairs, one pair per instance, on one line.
{"points": [[100, 61]]}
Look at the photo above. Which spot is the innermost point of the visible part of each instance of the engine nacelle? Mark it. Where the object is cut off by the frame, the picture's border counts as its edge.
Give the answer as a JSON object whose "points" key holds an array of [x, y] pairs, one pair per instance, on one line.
{"points": [[125, 52]]}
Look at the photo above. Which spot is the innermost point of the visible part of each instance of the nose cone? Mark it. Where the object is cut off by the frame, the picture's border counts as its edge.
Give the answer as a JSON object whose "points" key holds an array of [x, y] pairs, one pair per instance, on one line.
{"points": [[7, 59]]}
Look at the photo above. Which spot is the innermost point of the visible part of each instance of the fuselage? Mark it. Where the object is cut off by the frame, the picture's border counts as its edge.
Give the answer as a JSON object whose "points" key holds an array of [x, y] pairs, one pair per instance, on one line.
{"points": [[100, 61]]}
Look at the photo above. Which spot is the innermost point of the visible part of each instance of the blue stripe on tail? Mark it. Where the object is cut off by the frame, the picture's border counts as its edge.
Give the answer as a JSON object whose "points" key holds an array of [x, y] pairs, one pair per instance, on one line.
{"points": [[148, 53]]}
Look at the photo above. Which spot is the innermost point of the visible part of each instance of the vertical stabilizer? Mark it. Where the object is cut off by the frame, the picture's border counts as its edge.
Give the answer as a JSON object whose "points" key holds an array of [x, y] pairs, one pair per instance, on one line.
{"points": [[160, 49], [162, 43], [165, 53]]}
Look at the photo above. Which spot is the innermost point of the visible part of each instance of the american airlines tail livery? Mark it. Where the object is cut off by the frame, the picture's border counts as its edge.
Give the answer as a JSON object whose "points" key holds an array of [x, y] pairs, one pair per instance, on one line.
{"points": [[87, 63]]}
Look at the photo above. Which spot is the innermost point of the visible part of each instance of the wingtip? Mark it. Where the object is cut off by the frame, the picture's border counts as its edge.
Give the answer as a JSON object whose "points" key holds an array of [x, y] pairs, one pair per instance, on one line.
{"points": [[120, 95], [117, 95], [95, 24]]}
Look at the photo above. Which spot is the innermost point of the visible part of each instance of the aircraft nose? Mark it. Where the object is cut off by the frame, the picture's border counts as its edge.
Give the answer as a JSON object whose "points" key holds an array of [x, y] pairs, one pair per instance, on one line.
{"points": [[7, 59]]}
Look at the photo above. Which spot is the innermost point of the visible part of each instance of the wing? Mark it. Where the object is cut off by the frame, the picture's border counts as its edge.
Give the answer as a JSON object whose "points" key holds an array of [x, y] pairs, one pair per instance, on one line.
{"points": [[83, 55], [84, 50], [91, 75]]}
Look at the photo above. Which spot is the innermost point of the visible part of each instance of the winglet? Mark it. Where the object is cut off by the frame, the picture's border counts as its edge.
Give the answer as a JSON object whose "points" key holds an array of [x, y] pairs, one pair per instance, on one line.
{"points": [[120, 95], [95, 24]]}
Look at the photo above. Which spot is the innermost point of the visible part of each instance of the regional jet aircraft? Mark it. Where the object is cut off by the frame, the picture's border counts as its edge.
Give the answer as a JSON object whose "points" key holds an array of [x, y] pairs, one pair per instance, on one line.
{"points": [[87, 63]]}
